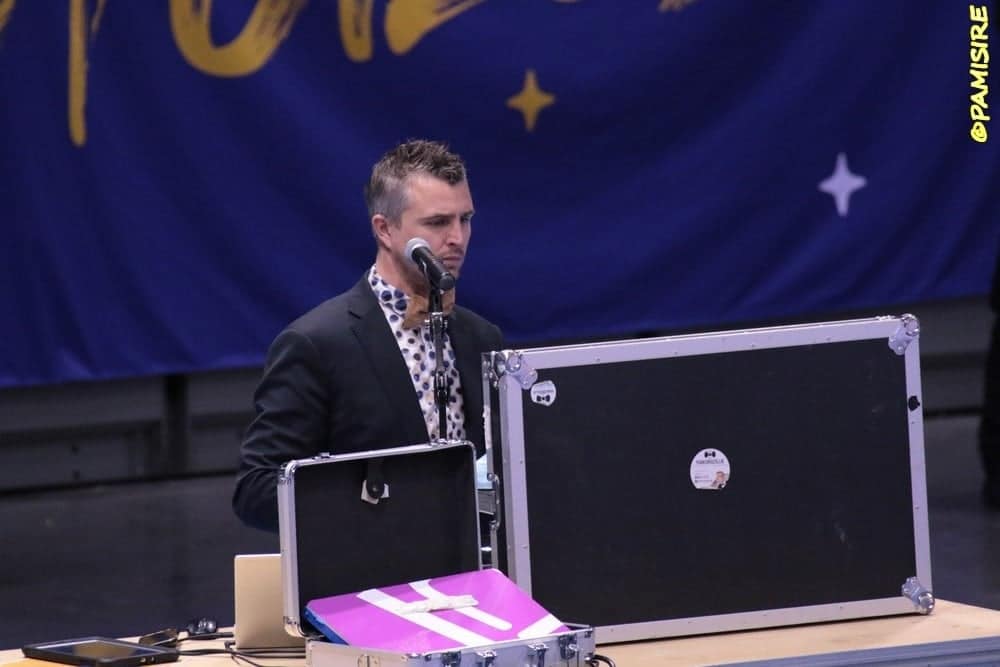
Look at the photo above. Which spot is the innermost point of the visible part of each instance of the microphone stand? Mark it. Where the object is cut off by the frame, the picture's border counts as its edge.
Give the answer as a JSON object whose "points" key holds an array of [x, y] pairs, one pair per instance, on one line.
{"points": [[441, 394]]}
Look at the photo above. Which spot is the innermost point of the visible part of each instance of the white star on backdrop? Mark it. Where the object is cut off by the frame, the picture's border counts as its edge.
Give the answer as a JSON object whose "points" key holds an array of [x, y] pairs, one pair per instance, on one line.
{"points": [[842, 184]]}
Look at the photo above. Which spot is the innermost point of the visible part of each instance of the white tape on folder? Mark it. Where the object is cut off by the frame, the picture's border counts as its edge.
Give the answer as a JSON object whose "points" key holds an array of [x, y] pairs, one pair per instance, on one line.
{"points": [[546, 625], [424, 588], [438, 603], [423, 619]]}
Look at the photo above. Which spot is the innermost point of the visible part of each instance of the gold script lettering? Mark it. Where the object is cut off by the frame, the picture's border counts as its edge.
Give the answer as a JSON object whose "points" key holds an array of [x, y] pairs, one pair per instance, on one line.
{"points": [[81, 33], [268, 25], [407, 21], [356, 29], [6, 7]]}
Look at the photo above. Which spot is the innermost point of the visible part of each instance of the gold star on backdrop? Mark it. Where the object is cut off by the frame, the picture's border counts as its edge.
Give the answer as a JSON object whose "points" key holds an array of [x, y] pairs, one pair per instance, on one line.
{"points": [[530, 100]]}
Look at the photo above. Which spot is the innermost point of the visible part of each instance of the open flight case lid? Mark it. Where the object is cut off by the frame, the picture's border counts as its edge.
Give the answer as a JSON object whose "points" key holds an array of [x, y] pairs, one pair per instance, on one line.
{"points": [[719, 481], [349, 522]]}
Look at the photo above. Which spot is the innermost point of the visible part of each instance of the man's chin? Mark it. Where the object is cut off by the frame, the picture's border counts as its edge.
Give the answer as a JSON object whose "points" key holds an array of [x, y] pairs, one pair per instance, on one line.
{"points": [[417, 279]]}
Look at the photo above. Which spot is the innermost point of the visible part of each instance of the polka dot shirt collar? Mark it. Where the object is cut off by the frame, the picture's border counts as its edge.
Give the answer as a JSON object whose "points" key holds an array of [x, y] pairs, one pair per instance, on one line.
{"points": [[392, 299]]}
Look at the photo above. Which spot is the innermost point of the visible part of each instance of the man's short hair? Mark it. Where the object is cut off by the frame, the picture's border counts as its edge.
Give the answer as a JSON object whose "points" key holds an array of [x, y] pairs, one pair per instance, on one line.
{"points": [[385, 193]]}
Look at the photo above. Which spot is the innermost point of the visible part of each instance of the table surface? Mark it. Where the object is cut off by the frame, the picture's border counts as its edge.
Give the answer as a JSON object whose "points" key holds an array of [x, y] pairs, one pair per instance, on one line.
{"points": [[950, 621]]}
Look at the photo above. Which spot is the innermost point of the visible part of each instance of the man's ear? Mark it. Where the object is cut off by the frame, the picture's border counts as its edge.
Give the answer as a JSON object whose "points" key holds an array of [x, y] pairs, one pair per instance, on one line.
{"points": [[380, 228]]}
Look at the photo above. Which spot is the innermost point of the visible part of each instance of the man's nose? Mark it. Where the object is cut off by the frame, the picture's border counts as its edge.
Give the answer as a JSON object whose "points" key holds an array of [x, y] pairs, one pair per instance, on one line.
{"points": [[455, 235]]}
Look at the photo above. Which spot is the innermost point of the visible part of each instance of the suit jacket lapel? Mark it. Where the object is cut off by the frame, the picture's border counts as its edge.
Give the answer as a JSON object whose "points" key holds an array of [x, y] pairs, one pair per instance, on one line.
{"points": [[375, 338]]}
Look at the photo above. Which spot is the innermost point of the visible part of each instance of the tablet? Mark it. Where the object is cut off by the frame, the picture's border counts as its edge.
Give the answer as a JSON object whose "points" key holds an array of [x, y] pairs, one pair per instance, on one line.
{"points": [[100, 652]]}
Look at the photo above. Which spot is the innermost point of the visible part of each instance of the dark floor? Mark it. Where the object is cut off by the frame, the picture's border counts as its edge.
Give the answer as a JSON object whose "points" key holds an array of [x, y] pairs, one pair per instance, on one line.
{"points": [[129, 559]]}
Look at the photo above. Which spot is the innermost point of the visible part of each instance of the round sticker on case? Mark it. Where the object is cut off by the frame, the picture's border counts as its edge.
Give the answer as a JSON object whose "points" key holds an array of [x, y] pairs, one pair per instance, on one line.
{"points": [[543, 393], [710, 470]]}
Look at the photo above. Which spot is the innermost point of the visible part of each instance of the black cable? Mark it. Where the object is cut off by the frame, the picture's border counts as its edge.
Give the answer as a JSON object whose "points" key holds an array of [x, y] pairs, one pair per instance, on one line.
{"points": [[289, 651], [246, 655], [205, 636], [596, 658], [238, 656]]}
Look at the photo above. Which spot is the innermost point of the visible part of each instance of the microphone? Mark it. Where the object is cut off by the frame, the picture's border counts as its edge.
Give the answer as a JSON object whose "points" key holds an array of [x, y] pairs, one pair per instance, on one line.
{"points": [[419, 251]]}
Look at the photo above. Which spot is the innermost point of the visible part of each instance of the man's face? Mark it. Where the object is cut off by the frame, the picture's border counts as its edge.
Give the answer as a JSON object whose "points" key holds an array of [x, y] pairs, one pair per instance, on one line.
{"points": [[437, 212]]}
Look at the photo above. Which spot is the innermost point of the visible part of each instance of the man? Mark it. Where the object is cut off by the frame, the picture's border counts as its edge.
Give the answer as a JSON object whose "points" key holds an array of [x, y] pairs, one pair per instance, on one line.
{"points": [[355, 373]]}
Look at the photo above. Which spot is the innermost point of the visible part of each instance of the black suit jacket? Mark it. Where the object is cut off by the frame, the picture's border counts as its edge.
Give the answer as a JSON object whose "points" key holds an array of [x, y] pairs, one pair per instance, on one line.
{"points": [[336, 382]]}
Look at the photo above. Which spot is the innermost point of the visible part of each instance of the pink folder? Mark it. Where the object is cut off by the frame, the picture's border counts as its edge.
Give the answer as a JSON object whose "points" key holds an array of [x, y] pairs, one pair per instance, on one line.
{"points": [[446, 613]]}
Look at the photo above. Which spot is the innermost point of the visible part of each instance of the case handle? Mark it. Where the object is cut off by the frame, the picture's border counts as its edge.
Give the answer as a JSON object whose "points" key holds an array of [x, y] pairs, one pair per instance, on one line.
{"points": [[374, 488]]}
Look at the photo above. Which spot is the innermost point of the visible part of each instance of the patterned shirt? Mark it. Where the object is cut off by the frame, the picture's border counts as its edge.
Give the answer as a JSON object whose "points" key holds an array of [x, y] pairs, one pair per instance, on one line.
{"points": [[417, 349]]}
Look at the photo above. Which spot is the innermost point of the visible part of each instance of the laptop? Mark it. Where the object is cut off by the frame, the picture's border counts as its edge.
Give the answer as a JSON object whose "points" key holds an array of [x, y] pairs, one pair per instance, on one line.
{"points": [[259, 606]]}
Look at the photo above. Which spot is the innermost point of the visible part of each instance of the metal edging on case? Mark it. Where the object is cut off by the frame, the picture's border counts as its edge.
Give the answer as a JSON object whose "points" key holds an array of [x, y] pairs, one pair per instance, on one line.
{"points": [[286, 538], [611, 634], [486, 372], [515, 500], [918, 465], [492, 475], [706, 343]]}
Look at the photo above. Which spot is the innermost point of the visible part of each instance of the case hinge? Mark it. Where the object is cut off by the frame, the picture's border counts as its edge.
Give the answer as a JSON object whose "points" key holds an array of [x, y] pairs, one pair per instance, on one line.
{"points": [[512, 363], [907, 332], [921, 598]]}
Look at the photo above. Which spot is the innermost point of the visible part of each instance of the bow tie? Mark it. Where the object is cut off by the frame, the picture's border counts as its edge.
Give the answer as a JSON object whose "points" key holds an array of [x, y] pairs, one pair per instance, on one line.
{"points": [[417, 309]]}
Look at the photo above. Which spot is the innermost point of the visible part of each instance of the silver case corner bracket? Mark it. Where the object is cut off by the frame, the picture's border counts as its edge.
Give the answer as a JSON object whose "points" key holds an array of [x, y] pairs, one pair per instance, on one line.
{"points": [[922, 599], [511, 363], [907, 332]]}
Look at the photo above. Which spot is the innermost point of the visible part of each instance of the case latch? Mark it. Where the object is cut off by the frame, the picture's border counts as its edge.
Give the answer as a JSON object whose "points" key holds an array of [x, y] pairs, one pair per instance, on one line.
{"points": [[907, 332], [452, 659], [921, 598], [485, 658], [512, 363], [568, 648], [536, 654], [374, 488]]}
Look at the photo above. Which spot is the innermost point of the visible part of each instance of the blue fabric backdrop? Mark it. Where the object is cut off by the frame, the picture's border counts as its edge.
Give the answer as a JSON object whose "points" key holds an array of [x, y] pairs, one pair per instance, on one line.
{"points": [[179, 179]]}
